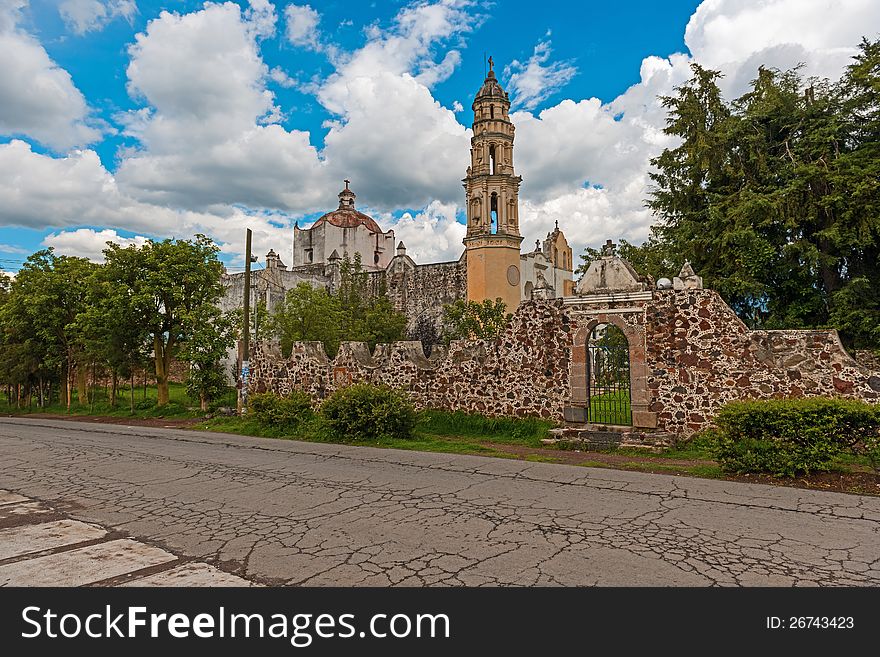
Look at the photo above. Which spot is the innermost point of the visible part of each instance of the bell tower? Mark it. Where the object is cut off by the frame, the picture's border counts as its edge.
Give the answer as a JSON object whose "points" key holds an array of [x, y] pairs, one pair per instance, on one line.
{"points": [[492, 200]]}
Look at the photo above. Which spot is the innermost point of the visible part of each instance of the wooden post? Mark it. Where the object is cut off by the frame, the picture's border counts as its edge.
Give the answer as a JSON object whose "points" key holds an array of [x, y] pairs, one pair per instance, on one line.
{"points": [[244, 370]]}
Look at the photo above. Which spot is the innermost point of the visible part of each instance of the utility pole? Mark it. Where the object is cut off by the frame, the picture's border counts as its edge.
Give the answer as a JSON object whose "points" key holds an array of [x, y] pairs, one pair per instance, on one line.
{"points": [[246, 328]]}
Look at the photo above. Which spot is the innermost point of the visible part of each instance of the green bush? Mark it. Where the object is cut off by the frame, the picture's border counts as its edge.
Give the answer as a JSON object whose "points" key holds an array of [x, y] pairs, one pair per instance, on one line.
{"points": [[368, 412], [788, 437], [145, 404], [271, 410]]}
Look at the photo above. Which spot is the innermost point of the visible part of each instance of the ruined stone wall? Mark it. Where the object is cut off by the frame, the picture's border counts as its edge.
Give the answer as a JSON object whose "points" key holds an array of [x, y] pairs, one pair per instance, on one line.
{"points": [[522, 373], [421, 290], [689, 355], [700, 356]]}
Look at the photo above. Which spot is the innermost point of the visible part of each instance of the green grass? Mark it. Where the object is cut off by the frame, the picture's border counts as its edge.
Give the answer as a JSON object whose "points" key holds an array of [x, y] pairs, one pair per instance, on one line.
{"points": [[611, 408], [179, 404], [436, 431], [698, 448]]}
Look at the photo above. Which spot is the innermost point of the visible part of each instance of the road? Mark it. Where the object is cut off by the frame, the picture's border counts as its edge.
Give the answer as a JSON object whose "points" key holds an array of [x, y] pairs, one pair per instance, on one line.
{"points": [[285, 512]]}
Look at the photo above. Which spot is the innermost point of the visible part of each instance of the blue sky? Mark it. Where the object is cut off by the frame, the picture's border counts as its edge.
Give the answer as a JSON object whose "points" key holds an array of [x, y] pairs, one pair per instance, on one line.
{"points": [[129, 119]]}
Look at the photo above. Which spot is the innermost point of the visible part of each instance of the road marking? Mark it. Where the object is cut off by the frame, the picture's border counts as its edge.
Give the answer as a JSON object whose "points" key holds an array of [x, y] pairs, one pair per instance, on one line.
{"points": [[18, 541], [84, 565], [7, 497], [191, 574], [19, 513]]}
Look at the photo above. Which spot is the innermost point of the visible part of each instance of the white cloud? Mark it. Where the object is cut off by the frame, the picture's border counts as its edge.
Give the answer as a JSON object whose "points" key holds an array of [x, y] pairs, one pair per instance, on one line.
{"points": [[212, 158], [432, 235], [302, 26], [261, 18], [537, 79], [204, 138], [278, 75], [88, 242], [83, 16], [736, 36], [411, 151], [37, 97], [83, 193]]}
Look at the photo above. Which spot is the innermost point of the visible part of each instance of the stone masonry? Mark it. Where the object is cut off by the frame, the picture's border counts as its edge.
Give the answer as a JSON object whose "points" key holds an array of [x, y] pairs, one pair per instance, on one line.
{"points": [[689, 355]]}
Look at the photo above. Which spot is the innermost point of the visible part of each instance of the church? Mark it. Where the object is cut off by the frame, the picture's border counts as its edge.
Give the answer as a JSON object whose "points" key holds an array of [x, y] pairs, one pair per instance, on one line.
{"points": [[492, 264]]}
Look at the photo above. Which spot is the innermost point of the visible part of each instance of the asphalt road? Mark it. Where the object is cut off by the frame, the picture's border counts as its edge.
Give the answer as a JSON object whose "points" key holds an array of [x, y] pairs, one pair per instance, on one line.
{"points": [[285, 512]]}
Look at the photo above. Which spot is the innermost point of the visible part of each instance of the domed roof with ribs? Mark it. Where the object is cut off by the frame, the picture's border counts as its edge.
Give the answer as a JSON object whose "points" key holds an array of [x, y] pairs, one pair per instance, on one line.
{"points": [[346, 216]]}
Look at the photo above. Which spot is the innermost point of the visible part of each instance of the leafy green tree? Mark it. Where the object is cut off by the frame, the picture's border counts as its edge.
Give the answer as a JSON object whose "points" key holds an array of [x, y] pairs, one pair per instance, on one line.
{"points": [[307, 313], [171, 283], [210, 337], [115, 333], [47, 296], [474, 320], [775, 197], [425, 331], [382, 323]]}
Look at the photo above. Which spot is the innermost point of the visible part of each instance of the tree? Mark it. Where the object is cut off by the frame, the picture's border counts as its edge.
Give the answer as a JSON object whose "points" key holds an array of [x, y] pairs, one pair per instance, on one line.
{"points": [[425, 331], [47, 296], [474, 320], [115, 332], [775, 197], [307, 313], [382, 323], [209, 340], [171, 283]]}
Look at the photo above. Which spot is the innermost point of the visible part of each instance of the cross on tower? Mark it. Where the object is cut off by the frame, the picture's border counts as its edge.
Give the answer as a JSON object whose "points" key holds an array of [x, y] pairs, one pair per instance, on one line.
{"points": [[609, 248], [347, 182], [491, 63]]}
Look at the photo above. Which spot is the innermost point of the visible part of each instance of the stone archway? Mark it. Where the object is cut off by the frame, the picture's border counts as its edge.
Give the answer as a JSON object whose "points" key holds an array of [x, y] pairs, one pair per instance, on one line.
{"points": [[638, 371], [607, 376]]}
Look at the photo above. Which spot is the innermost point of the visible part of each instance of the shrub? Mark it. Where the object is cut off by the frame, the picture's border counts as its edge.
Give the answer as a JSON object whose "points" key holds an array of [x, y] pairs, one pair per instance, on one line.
{"points": [[367, 412], [272, 410], [793, 436]]}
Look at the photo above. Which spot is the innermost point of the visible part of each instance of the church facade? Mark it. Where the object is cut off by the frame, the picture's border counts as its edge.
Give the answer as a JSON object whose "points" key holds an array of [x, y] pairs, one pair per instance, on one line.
{"points": [[491, 265]]}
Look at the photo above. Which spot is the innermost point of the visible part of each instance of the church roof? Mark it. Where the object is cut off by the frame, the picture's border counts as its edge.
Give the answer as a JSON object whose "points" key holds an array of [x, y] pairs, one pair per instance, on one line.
{"points": [[346, 216], [491, 87], [349, 218]]}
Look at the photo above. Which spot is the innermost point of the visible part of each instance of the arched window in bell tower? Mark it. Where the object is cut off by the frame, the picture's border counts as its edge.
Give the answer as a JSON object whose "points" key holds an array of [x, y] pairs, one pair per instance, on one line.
{"points": [[493, 205], [492, 159], [491, 111]]}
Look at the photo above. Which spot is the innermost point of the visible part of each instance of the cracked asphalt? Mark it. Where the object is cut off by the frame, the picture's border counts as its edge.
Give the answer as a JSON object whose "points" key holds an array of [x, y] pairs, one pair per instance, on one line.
{"points": [[293, 513]]}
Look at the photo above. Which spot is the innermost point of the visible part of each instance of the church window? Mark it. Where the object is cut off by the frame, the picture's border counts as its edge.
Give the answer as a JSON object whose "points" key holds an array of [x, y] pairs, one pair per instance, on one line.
{"points": [[492, 159], [491, 111], [494, 211]]}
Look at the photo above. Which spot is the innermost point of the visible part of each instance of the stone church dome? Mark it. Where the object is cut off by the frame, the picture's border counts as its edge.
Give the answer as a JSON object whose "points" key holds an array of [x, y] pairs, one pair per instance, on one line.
{"points": [[346, 216], [491, 87]]}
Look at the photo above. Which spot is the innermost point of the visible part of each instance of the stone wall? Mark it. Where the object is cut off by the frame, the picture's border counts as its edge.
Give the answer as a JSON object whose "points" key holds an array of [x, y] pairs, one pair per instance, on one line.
{"points": [[421, 290], [522, 373], [700, 356], [689, 355]]}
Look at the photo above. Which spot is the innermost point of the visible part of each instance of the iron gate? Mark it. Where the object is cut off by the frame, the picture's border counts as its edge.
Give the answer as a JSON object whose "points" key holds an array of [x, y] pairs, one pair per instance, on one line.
{"points": [[608, 386]]}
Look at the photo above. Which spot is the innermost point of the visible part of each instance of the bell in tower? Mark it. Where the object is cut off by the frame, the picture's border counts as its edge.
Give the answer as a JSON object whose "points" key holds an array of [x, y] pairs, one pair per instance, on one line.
{"points": [[492, 200]]}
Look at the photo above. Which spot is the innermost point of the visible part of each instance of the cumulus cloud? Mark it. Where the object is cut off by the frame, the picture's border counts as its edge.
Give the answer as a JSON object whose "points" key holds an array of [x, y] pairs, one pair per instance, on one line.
{"points": [[37, 97], [88, 242], [302, 26], [432, 235], [205, 139], [83, 16], [412, 151], [84, 194], [736, 36], [211, 157], [534, 81]]}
